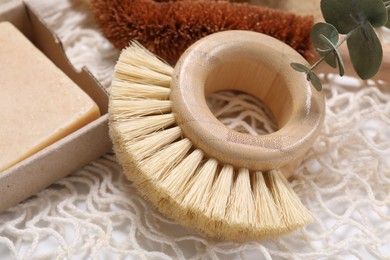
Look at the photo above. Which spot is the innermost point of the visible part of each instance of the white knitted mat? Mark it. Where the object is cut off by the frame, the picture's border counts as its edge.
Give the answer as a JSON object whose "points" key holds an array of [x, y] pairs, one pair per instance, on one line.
{"points": [[96, 214]]}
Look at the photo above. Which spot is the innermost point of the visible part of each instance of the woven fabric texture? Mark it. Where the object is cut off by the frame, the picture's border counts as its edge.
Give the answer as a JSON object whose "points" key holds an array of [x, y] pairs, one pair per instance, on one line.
{"points": [[95, 213]]}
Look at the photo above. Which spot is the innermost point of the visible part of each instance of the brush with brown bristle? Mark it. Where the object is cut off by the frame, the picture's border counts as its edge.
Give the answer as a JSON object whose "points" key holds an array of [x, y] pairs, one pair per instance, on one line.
{"points": [[167, 28], [227, 184]]}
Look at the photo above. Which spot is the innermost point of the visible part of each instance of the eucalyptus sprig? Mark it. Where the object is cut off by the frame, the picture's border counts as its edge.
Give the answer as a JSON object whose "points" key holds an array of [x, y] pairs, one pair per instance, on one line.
{"points": [[356, 20]]}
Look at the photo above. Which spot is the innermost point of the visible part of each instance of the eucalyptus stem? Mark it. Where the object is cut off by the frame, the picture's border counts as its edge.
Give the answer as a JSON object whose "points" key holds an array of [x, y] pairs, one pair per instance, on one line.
{"points": [[346, 37], [349, 17], [318, 62]]}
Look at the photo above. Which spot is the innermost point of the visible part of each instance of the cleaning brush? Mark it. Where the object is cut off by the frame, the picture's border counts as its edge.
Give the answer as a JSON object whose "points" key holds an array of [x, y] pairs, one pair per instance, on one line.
{"points": [[227, 184], [168, 28]]}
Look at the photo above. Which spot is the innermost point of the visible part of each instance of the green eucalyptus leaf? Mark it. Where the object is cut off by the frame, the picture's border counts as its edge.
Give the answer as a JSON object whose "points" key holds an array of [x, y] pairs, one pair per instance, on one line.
{"points": [[373, 10], [331, 55], [340, 63], [321, 34], [388, 14], [335, 55], [337, 12], [331, 60], [315, 81], [311, 76], [326, 29], [365, 51], [299, 67], [346, 15]]}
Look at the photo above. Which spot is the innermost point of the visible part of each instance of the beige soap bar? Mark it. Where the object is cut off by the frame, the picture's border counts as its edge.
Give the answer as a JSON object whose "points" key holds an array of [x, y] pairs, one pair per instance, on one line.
{"points": [[39, 104]]}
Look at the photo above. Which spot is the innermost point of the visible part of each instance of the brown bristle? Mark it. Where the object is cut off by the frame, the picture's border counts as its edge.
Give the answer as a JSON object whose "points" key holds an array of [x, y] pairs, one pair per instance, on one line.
{"points": [[169, 28]]}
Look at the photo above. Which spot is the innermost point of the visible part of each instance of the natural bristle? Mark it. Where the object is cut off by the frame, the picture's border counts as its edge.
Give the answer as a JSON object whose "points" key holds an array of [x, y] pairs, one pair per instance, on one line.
{"points": [[180, 180], [156, 166], [241, 210], [168, 28], [267, 213], [131, 91], [198, 189], [220, 193], [153, 142], [153, 71], [176, 180], [293, 213]]}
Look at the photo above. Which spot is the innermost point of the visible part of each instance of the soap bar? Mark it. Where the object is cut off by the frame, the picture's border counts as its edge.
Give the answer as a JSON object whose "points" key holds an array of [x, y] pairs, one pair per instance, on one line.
{"points": [[39, 104]]}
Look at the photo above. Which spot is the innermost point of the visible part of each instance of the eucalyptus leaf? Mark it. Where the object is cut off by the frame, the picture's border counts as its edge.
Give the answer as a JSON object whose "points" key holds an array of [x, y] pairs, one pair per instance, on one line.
{"points": [[331, 59], [321, 34], [346, 15], [311, 76], [335, 55], [326, 29], [299, 67], [365, 51], [331, 54], [338, 13], [340, 63], [315, 81], [374, 10]]}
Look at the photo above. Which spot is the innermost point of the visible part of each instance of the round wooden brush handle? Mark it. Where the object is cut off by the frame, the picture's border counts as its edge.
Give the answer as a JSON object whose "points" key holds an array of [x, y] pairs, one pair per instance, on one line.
{"points": [[258, 65]]}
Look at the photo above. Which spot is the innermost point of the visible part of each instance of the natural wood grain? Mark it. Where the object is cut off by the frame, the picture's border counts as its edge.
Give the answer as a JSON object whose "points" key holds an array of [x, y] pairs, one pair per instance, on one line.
{"points": [[258, 65]]}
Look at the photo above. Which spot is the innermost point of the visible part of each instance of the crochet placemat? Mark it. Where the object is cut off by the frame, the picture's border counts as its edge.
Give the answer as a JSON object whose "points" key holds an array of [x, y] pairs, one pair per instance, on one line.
{"points": [[96, 214]]}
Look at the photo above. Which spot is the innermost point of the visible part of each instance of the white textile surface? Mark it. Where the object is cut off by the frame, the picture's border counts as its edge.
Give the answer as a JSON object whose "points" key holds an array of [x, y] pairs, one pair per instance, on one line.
{"points": [[96, 214]]}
